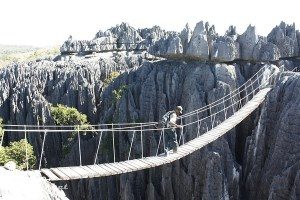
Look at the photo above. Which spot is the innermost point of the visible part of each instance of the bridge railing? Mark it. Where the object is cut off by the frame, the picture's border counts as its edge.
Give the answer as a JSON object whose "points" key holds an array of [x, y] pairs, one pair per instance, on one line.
{"points": [[134, 137]]}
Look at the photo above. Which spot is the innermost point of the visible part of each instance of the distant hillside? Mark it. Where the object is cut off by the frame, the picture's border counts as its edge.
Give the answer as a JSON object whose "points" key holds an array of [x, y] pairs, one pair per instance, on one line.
{"points": [[12, 53], [8, 49]]}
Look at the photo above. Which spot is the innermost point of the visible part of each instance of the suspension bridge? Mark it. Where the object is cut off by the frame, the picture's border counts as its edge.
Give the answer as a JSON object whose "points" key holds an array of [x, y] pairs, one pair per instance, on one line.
{"points": [[208, 123]]}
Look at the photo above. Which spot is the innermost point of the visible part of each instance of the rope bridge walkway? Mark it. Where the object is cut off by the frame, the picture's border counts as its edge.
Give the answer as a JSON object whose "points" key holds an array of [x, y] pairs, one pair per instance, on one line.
{"points": [[208, 123]]}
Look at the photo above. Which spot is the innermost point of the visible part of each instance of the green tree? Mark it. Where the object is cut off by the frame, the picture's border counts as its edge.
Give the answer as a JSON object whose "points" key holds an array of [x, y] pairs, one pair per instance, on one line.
{"points": [[118, 93], [3, 156], [111, 77], [16, 151], [64, 115]]}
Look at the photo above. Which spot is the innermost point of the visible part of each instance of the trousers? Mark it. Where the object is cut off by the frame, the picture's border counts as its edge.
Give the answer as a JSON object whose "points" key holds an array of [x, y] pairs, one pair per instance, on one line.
{"points": [[171, 138]]}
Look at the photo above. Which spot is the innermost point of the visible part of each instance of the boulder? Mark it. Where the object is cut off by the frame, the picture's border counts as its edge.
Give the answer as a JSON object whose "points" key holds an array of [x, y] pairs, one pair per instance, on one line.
{"points": [[211, 37], [225, 48], [247, 42], [127, 37], [70, 46], [231, 32], [198, 46], [11, 165], [152, 34], [285, 38], [185, 36], [171, 46], [28, 185], [102, 44], [265, 51]]}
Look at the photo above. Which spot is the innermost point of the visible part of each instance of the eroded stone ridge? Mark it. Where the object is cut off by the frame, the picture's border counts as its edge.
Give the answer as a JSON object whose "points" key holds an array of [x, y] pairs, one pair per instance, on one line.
{"points": [[271, 162], [28, 90], [121, 37], [203, 43]]}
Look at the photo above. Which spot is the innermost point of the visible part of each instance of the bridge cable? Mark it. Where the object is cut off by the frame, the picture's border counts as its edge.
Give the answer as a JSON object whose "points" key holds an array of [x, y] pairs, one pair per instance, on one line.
{"points": [[183, 116], [113, 143], [26, 149], [79, 146], [159, 141], [131, 143], [98, 147], [142, 142], [42, 151]]}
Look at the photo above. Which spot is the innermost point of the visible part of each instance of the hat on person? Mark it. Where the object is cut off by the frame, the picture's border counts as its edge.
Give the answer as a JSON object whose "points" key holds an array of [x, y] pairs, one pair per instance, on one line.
{"points": [[179, 108]]}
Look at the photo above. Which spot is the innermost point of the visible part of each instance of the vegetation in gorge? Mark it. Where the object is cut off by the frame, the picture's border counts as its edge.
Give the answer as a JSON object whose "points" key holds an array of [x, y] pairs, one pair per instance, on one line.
{"points": [[16, 152], [63, 115]]}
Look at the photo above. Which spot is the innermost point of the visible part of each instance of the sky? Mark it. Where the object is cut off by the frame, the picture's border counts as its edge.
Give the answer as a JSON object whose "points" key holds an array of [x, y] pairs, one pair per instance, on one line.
{"points": [[50, 22]]}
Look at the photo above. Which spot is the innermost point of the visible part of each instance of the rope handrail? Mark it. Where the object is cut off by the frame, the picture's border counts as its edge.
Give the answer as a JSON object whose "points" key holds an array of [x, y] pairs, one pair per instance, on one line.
{"points": [[220, 110], [256, 83], [145, 124], [129, 130], [228, 95]]}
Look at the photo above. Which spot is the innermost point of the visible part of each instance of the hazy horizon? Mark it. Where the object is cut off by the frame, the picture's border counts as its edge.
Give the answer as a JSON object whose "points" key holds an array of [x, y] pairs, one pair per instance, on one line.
{"points": [[49, 23]]}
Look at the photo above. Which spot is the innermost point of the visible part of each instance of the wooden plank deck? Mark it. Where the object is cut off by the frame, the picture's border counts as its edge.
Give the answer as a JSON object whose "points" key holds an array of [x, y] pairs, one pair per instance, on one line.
{"points": [[108, 169], [60, 174], [50, 175]]}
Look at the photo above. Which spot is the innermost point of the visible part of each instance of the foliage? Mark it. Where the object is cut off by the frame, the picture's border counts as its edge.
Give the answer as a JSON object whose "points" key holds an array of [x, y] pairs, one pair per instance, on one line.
{"points": [[118, 93], [64, 115], [16, 151], [111, 77], [4, 158], [1, 130], [9, 54]]}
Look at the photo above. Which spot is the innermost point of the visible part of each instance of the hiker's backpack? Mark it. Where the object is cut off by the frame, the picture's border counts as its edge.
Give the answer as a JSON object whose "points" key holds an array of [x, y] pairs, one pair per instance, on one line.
{"points": [[166, 118]]}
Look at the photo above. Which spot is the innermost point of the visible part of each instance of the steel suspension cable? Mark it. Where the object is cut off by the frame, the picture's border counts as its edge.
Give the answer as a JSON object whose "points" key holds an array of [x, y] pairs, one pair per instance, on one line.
{"points": [[150, 129], [98, 147], [42, 151], [154, 123], [26, 149], [79, 146]]}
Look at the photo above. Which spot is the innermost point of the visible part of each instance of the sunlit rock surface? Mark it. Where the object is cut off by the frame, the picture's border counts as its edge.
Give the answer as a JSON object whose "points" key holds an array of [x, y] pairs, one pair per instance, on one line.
{"points": [[272, 157], [28, 186], [203, 43]]}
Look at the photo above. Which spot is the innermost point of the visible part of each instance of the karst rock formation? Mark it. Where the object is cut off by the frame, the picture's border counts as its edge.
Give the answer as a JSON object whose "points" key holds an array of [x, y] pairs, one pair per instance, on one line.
{"points": [[258, 159]]}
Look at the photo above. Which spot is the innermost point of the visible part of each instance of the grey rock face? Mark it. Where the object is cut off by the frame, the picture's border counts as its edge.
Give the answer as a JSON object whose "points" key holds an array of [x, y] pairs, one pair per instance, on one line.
{"points": [[285, 38], [231, 32], [247, 42], [27, 185], [225, 49], [127, 37], [27, 91], [185, 37], [211, 37], [272, 159], [265, 51], [120, 37], [155, 33], [171, 46], [203, 43], [198, 46], [153, 89]]}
